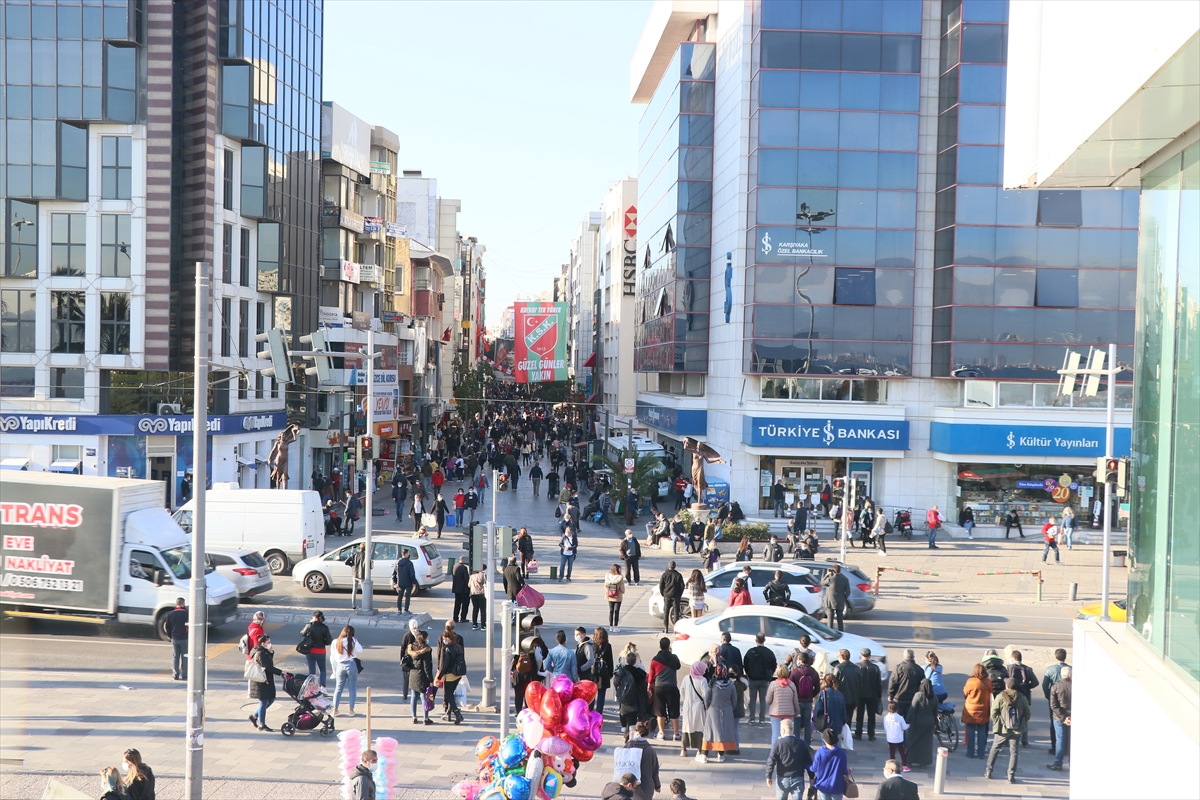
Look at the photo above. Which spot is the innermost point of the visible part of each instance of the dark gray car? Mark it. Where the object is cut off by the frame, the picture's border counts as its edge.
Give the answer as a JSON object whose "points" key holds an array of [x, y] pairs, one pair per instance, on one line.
{"points": [[862, 597]]}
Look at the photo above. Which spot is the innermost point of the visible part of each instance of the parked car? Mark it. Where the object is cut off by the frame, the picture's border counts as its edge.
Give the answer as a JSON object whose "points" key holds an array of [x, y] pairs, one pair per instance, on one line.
{"points": [[806, 589], [862, 597], [245, 569], [320, 573], [285, 525], [782, 627], [1116, 611]]}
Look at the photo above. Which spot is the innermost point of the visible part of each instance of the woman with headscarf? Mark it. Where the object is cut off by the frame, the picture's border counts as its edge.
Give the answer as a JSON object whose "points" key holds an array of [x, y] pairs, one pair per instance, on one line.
{"points": [[692, 692], [918, 740], [720, 726]]}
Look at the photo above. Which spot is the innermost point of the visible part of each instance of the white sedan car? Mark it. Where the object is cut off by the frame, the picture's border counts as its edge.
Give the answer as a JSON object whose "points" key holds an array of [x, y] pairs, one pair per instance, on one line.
{"points": [[320, 573], [782, 626], [245, 569], [806, 589]]}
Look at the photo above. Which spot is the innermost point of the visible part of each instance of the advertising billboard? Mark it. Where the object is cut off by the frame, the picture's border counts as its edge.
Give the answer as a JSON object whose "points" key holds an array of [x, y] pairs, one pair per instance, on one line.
{"points": [[540, 343]]}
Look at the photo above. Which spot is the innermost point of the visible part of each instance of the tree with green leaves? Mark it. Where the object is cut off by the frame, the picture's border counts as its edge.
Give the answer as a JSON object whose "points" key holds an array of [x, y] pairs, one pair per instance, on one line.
{"points": [[468, 386], [647, 472]]}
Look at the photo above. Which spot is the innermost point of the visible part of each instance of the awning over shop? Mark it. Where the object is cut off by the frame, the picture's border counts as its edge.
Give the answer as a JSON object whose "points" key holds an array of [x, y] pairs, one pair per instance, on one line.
{"points": [[982, 473], [591, 362], [67, 466], [15, 463], [591, 398], [245, 462]]}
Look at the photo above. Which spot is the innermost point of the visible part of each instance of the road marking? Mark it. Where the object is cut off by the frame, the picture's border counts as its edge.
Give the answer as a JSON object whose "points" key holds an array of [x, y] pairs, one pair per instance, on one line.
{"points": [[88, 640], [922, 626]]}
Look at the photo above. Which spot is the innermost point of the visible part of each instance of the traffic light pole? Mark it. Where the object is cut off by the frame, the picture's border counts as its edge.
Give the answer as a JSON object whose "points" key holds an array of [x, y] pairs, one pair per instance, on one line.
{"points": [[1109, 446], [488, 697], [506, 650], [368, 586]]}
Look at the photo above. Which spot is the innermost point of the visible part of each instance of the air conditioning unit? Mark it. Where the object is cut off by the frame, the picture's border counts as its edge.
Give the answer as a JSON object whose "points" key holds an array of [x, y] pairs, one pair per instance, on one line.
{"points": [[165, 409]]}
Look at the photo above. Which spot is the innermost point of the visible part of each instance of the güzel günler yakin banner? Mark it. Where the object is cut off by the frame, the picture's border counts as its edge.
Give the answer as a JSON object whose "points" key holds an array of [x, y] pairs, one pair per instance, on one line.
{"points": [[540, 346]]}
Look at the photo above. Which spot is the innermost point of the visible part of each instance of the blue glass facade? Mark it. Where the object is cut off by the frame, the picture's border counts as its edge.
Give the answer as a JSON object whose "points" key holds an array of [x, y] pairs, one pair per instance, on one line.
{"points": [[675, 164], [833, 187], [1019, 275]]}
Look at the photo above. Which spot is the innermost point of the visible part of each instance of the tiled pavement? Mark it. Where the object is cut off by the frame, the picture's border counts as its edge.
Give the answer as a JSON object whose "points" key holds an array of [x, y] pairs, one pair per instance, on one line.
{"points": [[47, 712]]}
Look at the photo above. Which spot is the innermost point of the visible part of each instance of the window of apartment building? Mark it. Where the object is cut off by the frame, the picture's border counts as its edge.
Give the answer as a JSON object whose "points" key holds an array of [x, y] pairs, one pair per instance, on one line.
{"points": [[268, 256], [16, 381], [17, 320], [260, 319], [21, 252], [66, 383], [258, 386], [115, 245], [226, 333], [854, 287], [120, 83], [243, 327], [243, 384], [227, 253], [826, 390], [68, 244], [244, 258], [274, 389], [116, 167], [114, 323], [227, 182], [254, 181], [67, 314], [72, 162], [1057, 288], [1060, 209]]}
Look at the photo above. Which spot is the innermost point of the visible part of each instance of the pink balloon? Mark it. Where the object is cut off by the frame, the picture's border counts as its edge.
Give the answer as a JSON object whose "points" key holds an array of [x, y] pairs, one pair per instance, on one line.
{"points": [[554, 746], [562, 686], [551, 708], [581, 726]]}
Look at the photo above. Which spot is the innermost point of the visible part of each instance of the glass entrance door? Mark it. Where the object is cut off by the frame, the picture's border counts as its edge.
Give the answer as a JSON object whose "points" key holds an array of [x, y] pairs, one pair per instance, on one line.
{"points": [[162, 468]]}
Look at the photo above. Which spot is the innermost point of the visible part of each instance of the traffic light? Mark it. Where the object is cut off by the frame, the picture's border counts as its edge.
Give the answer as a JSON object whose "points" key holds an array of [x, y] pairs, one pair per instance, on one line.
{"points": [[321, 362], [504, 541], [1122, 476], [1111, 466], [474, 546], [528, 620], [277, 352], [366, 447]]}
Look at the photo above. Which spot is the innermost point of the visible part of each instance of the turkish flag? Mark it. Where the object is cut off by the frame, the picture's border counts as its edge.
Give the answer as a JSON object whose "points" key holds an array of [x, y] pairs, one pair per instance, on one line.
{"points": [[446, 335]]}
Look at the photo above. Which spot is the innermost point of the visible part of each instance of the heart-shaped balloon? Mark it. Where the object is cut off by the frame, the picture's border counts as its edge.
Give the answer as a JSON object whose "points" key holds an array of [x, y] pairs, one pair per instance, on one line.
{"points": [[551, 708], [581, 726], [533, 695], [581, 755], [585, 689], [554, 746], [562, 686]]}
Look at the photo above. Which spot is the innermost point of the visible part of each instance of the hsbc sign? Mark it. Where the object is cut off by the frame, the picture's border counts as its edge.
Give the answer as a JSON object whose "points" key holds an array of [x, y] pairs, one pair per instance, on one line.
{"points": [[629, 254]]}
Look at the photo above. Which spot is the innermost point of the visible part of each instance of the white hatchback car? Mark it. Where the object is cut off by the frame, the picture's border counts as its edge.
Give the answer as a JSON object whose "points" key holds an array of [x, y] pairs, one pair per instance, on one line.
{"points": [[782, 626], [806, 589], [320, 573], [246, 570]]}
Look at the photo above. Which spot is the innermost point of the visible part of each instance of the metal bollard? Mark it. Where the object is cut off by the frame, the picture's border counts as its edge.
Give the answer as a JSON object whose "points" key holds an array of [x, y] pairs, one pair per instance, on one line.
{"points": [[1072, 591], [939, 771]]}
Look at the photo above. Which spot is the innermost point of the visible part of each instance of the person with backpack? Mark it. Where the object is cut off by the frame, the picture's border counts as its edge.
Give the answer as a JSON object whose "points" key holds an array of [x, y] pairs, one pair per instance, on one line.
{"points": [[1026, 681], [1010, 718], [671, 587], [870, 692], [760, 664], [880, 531], [315, 639], [776, 592], [614, 593], [647, 765], [568, 544], [629, 688], [663, 684], [997, 674], [585, 655], [452, 668], [933, 519], [1060, 716], [808, 683]]}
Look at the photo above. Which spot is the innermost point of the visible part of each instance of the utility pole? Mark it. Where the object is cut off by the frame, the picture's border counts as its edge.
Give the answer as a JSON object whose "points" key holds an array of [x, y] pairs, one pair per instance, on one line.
{"points": [[507, 648], [368, 601], [847, 510], [488, 698], [198, 608]]}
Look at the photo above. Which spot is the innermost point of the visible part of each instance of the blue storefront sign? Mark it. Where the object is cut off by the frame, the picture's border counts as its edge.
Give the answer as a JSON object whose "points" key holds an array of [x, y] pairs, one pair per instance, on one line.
{"points": [[134, 425], [679, 421], [1024, 440], [825, 434]]}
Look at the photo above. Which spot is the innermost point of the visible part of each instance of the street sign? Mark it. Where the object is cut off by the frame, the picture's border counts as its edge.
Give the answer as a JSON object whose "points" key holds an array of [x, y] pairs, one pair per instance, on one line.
{"points": [[629, 466]]}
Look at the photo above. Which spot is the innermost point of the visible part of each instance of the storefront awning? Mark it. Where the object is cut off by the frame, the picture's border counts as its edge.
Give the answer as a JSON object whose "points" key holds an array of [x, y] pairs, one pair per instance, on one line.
{"points": [[67, 466], [15, 463], [591, 398], [245, 462], [591, 361]]}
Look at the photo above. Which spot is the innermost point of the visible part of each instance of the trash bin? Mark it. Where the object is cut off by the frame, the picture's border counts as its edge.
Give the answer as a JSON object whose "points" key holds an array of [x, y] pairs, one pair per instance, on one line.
{"points": [[1118, 558], [554, 573]]}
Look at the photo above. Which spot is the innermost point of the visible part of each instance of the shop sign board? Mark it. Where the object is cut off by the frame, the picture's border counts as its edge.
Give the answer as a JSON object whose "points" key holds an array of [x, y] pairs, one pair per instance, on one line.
{"points": [[330, 316], [1024, 440], [679, 421], [540, 352], [825, 433], [134, 425]]}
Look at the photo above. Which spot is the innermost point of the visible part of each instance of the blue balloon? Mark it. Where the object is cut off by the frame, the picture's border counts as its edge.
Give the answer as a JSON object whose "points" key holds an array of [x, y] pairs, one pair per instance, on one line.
{"points": [[512, 751], [516, 787]]}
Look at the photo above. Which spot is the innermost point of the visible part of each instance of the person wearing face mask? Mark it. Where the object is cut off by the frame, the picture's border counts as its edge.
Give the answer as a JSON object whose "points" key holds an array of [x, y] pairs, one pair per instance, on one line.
{"points": [[362, 783], [631, 553], [139, 778], [263, 691], [894, 787]]}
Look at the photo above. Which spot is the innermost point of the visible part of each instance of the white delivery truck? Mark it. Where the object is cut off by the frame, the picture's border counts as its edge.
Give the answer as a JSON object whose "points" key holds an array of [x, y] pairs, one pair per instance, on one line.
{"points": [[96, 550], [285, 525]]}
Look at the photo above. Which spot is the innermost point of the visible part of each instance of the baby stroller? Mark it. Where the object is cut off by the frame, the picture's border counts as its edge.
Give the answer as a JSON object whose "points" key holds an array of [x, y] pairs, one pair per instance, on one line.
{"points": [[312, 708]]}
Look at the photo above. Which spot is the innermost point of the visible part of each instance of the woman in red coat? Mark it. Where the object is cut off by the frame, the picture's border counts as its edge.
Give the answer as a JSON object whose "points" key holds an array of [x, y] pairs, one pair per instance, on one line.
{"points": [[740, 595]]}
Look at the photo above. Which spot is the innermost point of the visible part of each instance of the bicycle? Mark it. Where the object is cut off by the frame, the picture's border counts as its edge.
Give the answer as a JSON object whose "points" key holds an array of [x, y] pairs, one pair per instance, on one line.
{"points": [[946, 727]]}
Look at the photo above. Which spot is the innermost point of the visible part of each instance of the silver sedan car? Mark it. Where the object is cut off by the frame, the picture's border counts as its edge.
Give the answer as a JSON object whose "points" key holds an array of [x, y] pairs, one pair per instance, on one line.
{"points": [[862, 598]]}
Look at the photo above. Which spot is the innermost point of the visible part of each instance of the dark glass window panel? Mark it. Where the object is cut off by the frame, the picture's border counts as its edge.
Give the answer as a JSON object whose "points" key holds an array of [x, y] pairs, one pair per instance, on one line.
{"points": [[114, 323], [67, 313], [93, 22], [692, 262], [70, 102], [897, 209], [1101, 208], [857, 209], [116, 23], [44, 182], [894, 287], [973, 286], [774, 284], [781, 89], [20, 181], [696, 97], [947, 129], [821, 16], [45, 63], [821, 50], [44, 102], [814, 203], [68, 244], [1057, 247], [899, 92], [1125, 330], [121, 105], [948, 90], [975, 245], [1015, 287], [856, 247], [985, 11], [780, 50], [775, 168], [695, 163], [16, 21], [70, 63], [45, 142], [92, 104], [900, 54], [20, 142], [950, 48], [66, 383], [860, 91], [18, 102], [862, 15], [697, 195], [122, 67], [1100, 248], [854, 287], [115, 245], [1016, 247], [858, 169], [813, 286], [982, 83], [696, 130], [980, 124], [860, 52], [1055, 325], [773, 322], [1096, 327], [227, 253], [859, 131], [694, 230], [18, 314], [898, 132], [902, 16], [17, 61], [22, 250], [819, 89], [777, 128], [818, 168], [776, 206], [973, 324], [893, 325], [943, 247], [781, 14], [941, 324], [43, 22], [818, 128], [1013, 324], [894, 248], [697, 62], [984, 44], [1099, 288], [976, 205], [1060, 208], [1057, 288], [979, 165], [854, 323]]}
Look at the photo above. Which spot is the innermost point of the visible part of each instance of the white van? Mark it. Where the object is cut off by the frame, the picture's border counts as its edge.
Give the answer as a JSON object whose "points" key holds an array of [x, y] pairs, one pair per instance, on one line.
{"points": [[285, 525]]}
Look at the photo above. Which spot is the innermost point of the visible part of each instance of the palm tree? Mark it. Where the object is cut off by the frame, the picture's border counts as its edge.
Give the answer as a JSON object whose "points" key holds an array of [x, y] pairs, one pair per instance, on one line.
{"points": [[647, 471]]}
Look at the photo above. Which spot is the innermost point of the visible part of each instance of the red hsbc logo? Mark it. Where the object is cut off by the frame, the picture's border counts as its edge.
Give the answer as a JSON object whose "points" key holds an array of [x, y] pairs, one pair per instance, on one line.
{"points": [[631, 221]]}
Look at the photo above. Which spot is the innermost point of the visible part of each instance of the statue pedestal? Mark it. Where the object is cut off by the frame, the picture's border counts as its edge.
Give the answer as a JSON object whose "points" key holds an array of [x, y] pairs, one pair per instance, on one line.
{"points": [[700, 510]]}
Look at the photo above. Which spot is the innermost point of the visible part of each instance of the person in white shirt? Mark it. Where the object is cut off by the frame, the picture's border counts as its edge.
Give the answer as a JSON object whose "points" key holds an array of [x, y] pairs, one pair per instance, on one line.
{"points": [[894, 726], [346, 648]]}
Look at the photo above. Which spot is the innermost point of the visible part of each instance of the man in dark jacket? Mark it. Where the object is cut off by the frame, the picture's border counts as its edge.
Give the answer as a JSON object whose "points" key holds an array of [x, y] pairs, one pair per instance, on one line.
{"points": [[357, 562], [663, 683], [177, 631], [905, 682], [837, 594], [729, 655], [779, 495], [995, 670], [362, 783], [649, 782], [1026, 681], [404, 581], [670, 586], [629, 689], [870, 690], [759, 663], [631, 553], [776, 591], [620, 790], [1060, 712], [513, 580], [849, 681], [895, 787], [788, 761], [462, 590], [773, 551], [1049, 678]]}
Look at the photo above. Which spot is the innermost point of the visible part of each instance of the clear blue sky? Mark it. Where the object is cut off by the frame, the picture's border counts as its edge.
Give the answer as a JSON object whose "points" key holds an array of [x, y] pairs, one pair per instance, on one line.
{"points": [[520, 110]]}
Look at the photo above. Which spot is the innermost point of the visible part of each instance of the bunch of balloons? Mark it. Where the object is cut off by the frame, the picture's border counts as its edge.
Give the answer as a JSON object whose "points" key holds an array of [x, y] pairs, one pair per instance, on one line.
{"points": [[557, 733], [351, 744]]}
